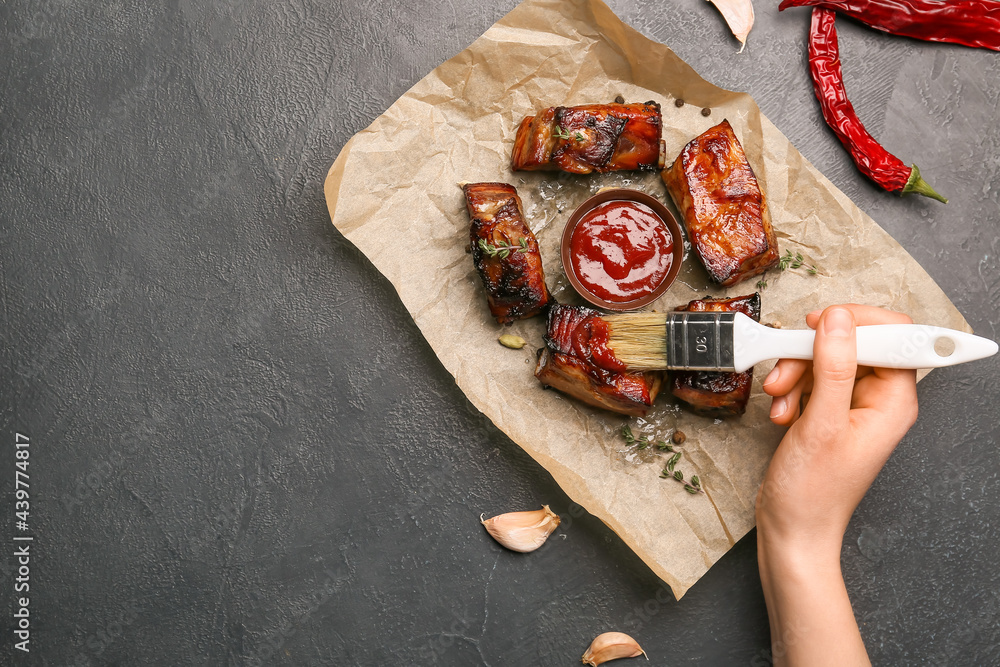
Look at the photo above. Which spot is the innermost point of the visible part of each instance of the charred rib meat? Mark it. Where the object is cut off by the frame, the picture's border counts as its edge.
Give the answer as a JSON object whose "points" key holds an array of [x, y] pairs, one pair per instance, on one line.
{"points": [[590, 138], [505, 252], [577, 361], [724, 210], [717, 394]]}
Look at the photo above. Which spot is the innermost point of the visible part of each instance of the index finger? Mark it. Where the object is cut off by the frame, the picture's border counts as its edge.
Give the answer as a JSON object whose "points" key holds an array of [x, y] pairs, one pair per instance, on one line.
{"points": [[865, 315], [835, 365]]}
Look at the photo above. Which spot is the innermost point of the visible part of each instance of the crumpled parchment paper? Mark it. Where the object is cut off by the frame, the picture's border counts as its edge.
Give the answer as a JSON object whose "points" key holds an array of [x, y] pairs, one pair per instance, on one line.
{"points": [[393, 192]]}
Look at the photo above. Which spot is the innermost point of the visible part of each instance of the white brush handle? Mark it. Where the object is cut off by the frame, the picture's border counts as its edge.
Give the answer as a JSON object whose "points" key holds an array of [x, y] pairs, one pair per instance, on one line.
{"points": [[880, 345]]}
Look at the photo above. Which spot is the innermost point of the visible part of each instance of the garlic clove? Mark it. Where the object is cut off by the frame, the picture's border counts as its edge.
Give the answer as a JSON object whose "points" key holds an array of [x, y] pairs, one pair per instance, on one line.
{"points": [[611, 646], [522, 531], [739, 17]]}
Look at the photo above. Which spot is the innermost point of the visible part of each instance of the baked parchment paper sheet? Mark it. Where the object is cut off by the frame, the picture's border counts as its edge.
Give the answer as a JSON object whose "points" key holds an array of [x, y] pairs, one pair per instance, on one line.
{"points": [[393, 192]]}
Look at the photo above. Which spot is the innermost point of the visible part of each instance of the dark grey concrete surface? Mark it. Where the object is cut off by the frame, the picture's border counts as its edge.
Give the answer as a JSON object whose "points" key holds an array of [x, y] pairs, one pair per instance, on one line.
{"points": [[243, 452]]}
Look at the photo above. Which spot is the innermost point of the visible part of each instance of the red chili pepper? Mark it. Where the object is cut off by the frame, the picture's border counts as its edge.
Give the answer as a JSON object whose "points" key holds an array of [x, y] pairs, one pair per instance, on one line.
{"points": [[874, 161], [967, 22]]}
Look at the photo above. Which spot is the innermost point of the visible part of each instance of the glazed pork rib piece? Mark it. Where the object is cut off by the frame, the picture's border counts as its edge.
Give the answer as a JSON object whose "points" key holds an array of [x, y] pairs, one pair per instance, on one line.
{"points": [[710, 393], [590, 138], [724, 210], [576, 361], [505, 252]]}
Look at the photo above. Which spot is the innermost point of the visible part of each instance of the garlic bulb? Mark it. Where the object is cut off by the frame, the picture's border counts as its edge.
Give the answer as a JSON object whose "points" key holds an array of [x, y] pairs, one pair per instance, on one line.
{"points": [[739, 16], [611, 646], [522, 531]]}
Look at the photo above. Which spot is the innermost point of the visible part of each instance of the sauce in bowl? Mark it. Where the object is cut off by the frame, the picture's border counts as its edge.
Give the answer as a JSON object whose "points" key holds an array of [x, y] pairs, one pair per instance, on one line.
{"points": [[621, 251]]}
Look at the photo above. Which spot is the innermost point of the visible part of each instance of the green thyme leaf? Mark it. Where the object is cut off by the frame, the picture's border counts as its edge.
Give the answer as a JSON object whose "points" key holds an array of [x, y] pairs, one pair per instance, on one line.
{"points": [[796, 261], [785, 260], [502, 249], [678, 475], [560, 133]]}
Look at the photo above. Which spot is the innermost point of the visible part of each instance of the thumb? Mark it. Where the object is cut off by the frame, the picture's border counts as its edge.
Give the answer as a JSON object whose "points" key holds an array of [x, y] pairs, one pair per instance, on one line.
{"points": [[835, 365]]}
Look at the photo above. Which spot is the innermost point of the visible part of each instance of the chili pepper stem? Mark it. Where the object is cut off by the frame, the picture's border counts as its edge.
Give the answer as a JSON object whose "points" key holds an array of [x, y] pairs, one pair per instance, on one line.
{"points": [[917, 184]]}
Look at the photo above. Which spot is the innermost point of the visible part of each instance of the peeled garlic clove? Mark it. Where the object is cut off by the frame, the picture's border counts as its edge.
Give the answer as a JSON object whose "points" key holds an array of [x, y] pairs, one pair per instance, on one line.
{"points": [[611, 646], [522, 531], [739, 16]]}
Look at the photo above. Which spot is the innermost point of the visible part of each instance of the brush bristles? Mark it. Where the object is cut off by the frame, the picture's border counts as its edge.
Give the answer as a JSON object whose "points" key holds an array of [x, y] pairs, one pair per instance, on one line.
{"points": [[639, 340]]}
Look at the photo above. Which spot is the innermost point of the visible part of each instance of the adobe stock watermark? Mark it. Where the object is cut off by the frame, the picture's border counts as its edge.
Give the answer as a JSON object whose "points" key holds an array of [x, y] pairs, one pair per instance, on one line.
{"points": [[876, 543], [90, 483], [641, 614], [433, 651], [278, 637], [107, 634], [57, 342], [87, 485], [432, 483], [946, 485], [437, 646], [798, 458], [221, 522], [779, 648]]}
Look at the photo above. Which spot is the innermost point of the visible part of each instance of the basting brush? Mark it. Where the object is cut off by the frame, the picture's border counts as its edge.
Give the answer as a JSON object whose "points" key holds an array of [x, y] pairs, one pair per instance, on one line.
{"points": [[730, 341]]}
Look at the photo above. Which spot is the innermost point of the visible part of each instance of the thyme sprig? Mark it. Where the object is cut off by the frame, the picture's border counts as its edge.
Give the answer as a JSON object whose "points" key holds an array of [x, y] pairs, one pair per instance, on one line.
{"points": [[644, 441], [790, 261], [560, 133], [692, 486], [502, 249]]}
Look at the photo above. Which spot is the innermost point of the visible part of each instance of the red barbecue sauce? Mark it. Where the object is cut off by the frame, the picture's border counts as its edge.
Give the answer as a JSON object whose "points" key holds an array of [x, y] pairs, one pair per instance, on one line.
{"points": [[621, 251], [590, 341]]}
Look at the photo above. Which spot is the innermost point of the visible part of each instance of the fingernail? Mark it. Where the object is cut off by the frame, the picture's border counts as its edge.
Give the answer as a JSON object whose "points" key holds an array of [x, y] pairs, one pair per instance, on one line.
{"points": [[838, 323], [772, 376], [779, 406]]}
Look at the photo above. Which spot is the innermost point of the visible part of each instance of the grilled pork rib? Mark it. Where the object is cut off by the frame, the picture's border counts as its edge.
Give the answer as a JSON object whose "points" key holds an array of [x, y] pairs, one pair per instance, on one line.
{"points": [[576, 361], [590, 138], [505, 252], [724, 210], [710, 393]]}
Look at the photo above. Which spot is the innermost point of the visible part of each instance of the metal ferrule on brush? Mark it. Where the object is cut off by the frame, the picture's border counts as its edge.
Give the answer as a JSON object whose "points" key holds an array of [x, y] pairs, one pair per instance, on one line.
{"points": [[700, 341]]}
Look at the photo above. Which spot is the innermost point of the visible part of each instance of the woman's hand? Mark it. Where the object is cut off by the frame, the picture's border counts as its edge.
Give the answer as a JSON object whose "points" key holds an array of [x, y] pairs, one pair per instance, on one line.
{"points": [[844, 422], [853, 418]]}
